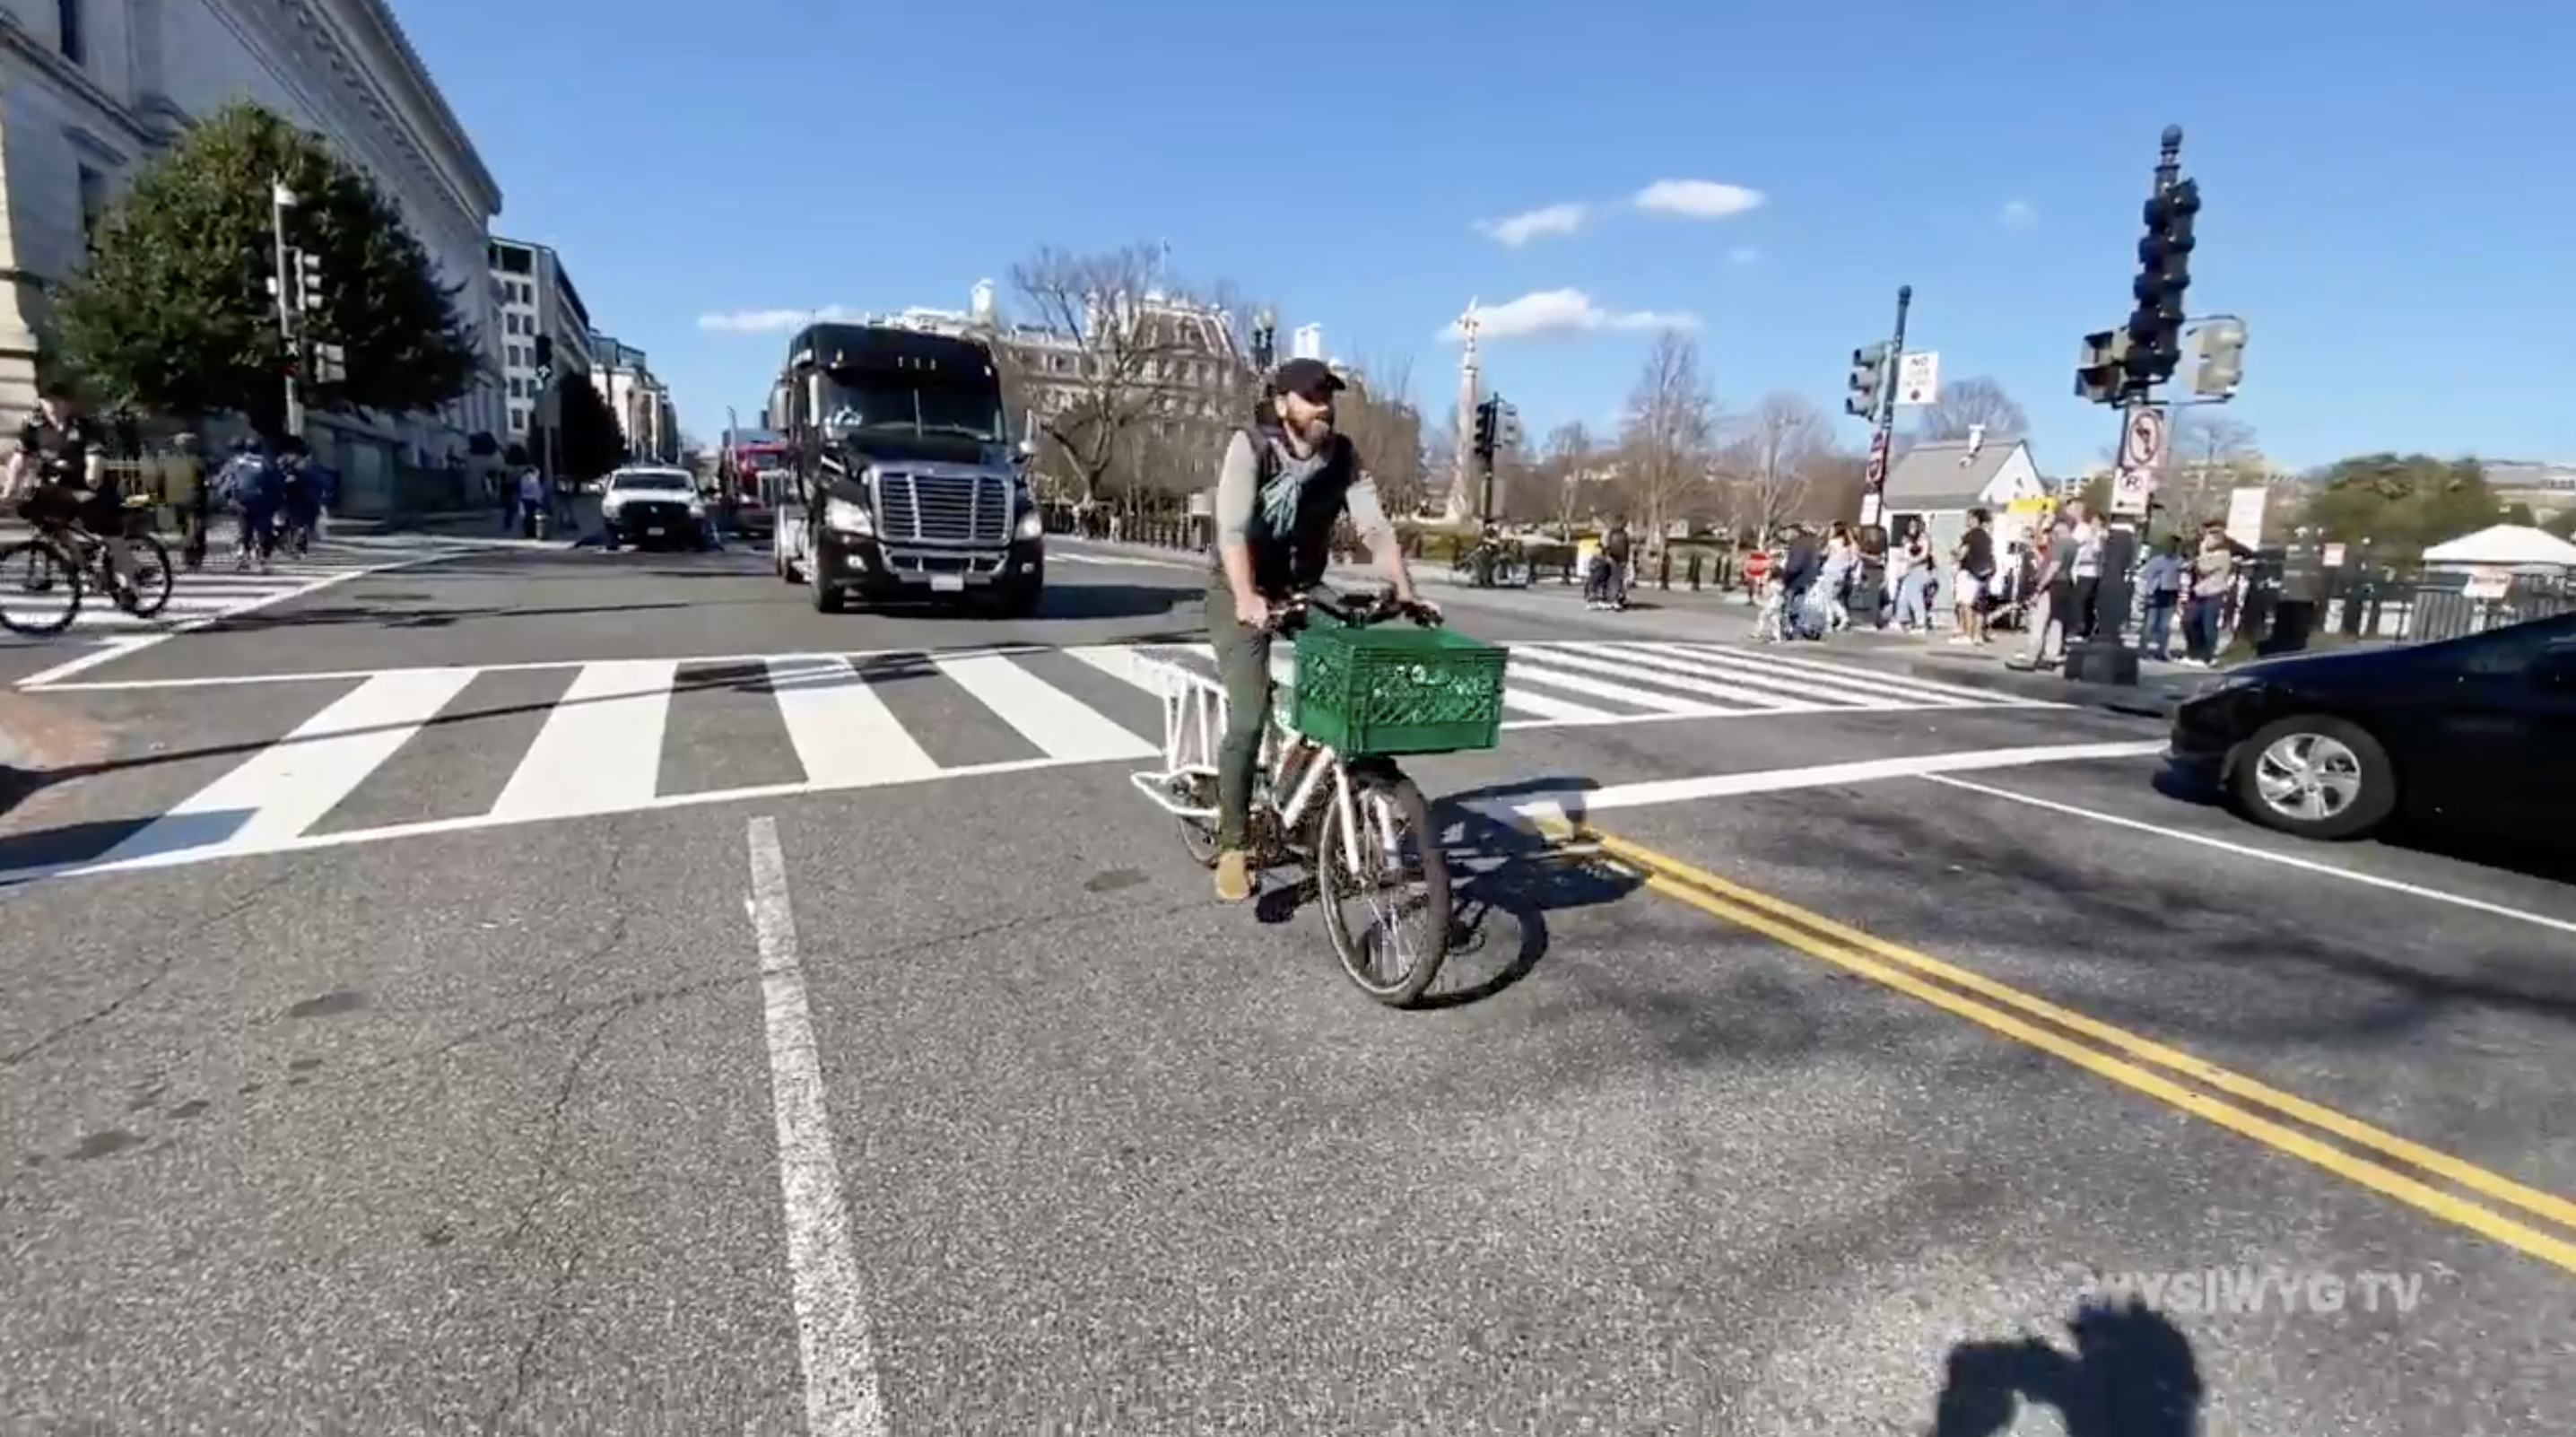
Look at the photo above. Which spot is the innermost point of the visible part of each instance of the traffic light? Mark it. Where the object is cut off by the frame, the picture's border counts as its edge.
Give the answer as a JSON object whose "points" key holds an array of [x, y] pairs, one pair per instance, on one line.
{"points": [[2221, 343], [545, 357], [2100, 371], [1484, 439], [308, 280], [1868, 372], [1507, 426], [2164, 273]]}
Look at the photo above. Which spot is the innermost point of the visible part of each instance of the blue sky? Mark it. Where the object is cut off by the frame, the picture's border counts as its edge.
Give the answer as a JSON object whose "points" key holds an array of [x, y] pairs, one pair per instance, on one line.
{"points": [[2388, 197]]}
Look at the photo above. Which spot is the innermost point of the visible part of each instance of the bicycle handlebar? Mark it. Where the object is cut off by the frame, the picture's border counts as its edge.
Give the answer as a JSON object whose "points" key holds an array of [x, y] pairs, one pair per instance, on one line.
{"points": [[1378, 607]]}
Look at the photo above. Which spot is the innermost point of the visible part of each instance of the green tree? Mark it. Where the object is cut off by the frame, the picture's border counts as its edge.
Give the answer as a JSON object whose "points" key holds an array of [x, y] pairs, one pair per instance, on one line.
{"points": [[172, 309], [2402, 503], [589, 443]]}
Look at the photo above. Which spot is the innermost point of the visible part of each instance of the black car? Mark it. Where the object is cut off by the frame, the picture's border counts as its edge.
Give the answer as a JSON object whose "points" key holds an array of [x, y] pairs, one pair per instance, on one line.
{"points": [[654, 508], [2477, 731]]}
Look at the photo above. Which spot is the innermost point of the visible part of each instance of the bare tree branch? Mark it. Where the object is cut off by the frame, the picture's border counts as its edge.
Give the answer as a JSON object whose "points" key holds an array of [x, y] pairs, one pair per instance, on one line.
{"points": [[1122, 349], [2213, 454], [1670, 430], [1567, 464], [1770, 465], [1384, 424], [1967, 403]]}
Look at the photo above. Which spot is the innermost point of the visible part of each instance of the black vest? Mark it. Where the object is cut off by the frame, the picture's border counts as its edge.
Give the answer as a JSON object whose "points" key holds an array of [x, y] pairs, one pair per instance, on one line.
{"points": [[1296, 556]]}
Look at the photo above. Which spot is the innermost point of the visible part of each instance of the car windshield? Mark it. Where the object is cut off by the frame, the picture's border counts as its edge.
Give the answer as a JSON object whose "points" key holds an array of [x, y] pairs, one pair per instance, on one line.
{"points": [[667, 483], [853, 400]]}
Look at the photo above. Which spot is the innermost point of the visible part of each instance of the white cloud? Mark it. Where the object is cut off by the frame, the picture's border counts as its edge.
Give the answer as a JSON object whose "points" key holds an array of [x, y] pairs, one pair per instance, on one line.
{"points": [[1520, 229], [1697, 199], [1561, 311], [2017, 215], [1744, 254], [771, 321]]}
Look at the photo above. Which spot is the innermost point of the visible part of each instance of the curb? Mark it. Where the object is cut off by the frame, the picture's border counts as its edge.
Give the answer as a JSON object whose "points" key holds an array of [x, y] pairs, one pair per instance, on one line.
{"points": [[2155, 701]]}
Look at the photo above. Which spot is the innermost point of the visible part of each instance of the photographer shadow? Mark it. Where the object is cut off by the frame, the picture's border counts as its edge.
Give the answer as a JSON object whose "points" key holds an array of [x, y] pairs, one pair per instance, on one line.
{"points": [[2131, 1374]]}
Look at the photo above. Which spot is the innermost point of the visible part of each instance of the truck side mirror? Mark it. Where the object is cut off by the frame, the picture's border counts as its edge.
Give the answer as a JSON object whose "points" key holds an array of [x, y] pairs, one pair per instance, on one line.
{"points": [[1028, 449]]}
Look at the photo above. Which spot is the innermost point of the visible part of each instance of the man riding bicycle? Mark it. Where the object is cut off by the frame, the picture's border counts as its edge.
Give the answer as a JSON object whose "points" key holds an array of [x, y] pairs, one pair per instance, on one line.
{"points": [[1285, 482], [64, 452]]}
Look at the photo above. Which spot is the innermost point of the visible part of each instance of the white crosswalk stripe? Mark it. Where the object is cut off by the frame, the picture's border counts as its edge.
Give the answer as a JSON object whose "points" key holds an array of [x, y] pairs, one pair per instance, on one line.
{"points": [[387, 754]]}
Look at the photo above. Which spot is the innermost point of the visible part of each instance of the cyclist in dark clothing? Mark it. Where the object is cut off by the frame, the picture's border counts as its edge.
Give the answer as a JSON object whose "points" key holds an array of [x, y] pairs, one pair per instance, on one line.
{"points": [[62, 452], [1286, 480]]}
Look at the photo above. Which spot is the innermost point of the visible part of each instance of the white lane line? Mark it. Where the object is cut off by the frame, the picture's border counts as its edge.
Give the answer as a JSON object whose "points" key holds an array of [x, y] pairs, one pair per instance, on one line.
{"points": [[1555, 806], [842, 1398], [2247, 850], [125, 647]]}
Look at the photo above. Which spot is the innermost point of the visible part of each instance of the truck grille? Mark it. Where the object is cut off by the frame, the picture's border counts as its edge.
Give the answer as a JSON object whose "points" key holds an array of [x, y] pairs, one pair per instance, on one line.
{"points": [[944, 509]]}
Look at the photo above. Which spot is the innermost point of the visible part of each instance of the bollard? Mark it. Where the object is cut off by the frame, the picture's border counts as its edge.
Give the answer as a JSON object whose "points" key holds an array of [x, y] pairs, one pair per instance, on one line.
{"points": [[1694, 571], [1664, 570]]}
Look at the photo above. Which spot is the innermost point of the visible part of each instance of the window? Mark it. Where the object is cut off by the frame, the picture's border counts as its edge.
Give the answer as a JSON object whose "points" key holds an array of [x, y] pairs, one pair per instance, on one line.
{"points": [[518, 387], [518, 421], [518, 356], [74, 43], [93, 199]]}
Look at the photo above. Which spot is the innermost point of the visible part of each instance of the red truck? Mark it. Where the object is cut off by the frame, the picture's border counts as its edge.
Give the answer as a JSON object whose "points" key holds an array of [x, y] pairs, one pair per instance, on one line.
{"points": [[752, 468]]}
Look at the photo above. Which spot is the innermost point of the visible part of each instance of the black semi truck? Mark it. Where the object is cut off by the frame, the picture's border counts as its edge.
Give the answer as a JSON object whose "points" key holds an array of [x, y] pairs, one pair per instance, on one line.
{"points": [[904, 481]]}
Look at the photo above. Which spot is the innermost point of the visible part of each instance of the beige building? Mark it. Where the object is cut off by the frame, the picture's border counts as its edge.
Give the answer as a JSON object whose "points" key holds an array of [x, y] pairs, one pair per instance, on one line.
{"points": [[533, 295], [90, 88], [641, 402]]}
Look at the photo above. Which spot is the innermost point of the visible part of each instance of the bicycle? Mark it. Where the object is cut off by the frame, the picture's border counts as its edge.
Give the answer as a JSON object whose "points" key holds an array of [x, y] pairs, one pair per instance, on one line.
{"points": [[1499, 564], [65, 551], [1329, 797]]}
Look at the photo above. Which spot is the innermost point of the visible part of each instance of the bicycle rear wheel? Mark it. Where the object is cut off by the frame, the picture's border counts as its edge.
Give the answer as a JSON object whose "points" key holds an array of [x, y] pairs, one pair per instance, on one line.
{"points": [[1404, 884], [31, 570]]}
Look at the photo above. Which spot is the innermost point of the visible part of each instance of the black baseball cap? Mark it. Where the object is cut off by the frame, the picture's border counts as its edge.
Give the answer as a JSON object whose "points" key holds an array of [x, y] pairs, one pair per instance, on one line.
{"points": [[1309, 379]]}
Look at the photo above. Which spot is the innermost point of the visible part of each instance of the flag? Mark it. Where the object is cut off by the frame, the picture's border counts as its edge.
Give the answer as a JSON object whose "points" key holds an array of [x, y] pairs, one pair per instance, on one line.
{"points": [[280, 195]]}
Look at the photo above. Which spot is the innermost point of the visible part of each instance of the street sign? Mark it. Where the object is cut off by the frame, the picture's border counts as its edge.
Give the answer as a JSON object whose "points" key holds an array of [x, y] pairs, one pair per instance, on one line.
{"points": [[2132, 490], [2142, 439], [1872, 508], [545, 375], [2245, 514], [1877, 474], [1918, 381]]}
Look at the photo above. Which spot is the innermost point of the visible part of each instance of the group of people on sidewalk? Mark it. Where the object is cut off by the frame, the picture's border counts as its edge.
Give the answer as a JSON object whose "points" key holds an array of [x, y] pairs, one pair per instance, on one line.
{"points": [[2049, 586]]}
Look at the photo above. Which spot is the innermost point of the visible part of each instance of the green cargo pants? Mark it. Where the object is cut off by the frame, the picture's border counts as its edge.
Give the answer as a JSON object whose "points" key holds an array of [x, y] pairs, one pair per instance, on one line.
{"points": [[1243, 667]]}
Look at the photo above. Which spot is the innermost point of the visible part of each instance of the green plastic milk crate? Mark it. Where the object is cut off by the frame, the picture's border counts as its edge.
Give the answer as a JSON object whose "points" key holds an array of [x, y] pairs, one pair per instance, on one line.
{"points": [[1397, 691]]}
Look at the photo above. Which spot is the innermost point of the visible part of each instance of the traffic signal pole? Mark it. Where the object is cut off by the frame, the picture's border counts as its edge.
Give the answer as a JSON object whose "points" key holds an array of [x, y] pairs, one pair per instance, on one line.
{"points": [[2107, 657], [1873, 500], [280, 200]]}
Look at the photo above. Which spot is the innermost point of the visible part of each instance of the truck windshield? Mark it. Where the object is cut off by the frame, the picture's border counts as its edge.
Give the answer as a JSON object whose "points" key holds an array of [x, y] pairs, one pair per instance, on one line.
{"points": [[853, 400]]}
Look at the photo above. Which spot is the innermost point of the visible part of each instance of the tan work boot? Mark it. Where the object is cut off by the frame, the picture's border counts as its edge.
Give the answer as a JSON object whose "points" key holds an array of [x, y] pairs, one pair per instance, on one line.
{"points": [[1233, 876]]}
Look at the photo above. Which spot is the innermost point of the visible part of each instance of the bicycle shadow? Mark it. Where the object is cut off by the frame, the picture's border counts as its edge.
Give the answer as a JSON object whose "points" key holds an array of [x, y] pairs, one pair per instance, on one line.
{"points": [[1505, 878], [2132, 1374]]}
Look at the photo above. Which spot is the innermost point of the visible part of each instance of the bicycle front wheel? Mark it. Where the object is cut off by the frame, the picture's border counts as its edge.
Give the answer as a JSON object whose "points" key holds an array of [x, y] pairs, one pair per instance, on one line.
{"points": [[40, 594], [152, 578], [1401, 885]]}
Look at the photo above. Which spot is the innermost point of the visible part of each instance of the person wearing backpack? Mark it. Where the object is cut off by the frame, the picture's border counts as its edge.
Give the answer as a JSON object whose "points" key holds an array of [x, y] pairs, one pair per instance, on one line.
{"points": [[1285, 480]]}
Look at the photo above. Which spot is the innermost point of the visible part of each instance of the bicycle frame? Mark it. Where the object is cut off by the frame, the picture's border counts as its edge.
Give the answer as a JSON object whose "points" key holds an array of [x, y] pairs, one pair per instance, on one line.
{"points": [[1194, 720]]}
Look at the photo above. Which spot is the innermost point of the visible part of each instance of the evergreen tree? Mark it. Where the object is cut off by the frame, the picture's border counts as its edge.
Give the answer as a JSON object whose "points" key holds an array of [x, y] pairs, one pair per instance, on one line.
{"points": [[172, 310]]}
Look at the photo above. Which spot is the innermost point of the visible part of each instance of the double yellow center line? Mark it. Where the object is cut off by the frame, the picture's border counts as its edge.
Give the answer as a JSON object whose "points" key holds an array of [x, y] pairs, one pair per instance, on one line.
{"points": [[2375, 1159]]}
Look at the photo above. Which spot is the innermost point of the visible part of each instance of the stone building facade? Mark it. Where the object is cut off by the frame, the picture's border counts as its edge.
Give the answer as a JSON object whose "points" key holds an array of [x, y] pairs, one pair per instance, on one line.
{"points": [[90, 88]]}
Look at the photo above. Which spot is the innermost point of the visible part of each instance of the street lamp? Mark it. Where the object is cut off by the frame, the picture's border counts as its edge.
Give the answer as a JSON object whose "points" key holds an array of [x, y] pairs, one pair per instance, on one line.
{"points": [[1265, 334]]}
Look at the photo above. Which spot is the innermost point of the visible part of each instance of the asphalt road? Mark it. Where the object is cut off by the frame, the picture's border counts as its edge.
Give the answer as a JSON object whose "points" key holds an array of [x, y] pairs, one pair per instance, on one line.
{"points": [[562, 1035]]}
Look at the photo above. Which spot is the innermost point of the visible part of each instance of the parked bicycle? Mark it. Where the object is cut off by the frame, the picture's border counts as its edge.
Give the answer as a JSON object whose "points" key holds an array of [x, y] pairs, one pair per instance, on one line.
{"points": [[1330, 800], [64, 561], [1493, 564]]}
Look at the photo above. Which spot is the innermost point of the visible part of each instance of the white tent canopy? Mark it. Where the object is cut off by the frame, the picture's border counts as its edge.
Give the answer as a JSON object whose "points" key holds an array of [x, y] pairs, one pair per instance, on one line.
{"points": [[2516, 545]]}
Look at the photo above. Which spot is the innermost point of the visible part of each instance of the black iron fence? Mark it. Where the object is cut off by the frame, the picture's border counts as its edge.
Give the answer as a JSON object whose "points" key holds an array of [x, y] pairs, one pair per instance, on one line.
{"points": [[2423, 605]]}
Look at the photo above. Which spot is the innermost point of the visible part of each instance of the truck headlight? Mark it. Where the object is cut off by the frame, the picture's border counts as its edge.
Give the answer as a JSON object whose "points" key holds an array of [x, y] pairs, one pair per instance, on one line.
{"points": [[608, 507], [697, 508], [843, 517], [1032, 524]]}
